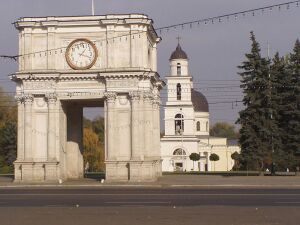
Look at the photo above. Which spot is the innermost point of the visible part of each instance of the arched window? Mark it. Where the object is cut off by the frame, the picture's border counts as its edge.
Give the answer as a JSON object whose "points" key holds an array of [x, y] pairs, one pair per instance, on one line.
{"points": [[179, 124], [206, 126], [178, 69], [178, 89], [179, 151], [198, 126]]}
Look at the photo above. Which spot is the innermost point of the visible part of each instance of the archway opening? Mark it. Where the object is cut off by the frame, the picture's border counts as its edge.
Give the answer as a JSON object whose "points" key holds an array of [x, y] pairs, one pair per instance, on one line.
{"points": [[93, 142], [85, 138]]}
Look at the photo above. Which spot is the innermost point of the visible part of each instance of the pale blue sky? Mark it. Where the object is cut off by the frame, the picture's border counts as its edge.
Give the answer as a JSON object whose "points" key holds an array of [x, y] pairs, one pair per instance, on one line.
{"points": [[215, 51]]}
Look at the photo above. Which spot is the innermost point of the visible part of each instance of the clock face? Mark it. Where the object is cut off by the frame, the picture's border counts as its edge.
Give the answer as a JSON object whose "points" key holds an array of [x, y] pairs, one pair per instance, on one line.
{"points": [[81, 54]]}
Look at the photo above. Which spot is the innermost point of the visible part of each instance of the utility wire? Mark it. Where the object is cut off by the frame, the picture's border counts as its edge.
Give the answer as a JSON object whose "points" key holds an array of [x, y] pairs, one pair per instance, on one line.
{"points": [[167, 28]]}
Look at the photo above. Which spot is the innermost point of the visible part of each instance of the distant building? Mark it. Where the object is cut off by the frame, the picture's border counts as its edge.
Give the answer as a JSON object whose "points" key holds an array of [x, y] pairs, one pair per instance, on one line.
{"points": [[187, 124]]}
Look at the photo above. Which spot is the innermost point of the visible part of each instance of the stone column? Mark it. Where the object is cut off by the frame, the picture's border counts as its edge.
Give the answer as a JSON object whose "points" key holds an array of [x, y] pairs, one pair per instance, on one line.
{"points": [[135, 97], [28, 154], [208, 162], [20, 148], [51, 153], [110, 130], [148, 125], [202, 165], [156, 127]]}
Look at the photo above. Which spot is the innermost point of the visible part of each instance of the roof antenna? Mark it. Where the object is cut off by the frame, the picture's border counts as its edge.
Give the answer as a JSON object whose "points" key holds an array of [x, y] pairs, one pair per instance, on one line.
{"points": [[93, 8]]}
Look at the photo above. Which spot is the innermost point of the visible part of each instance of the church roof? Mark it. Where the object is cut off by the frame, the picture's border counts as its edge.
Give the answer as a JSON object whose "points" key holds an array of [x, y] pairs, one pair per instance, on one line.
{"points": [[178, 53], [199, 102]]}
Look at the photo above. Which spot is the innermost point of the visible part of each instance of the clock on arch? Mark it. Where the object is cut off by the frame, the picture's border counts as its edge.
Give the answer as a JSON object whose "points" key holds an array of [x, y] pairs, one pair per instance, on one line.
{"points": [[81, 54]]}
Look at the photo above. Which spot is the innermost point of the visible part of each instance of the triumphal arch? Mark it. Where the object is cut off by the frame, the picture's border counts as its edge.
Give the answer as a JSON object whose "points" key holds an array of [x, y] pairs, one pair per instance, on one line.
{"points": [[67, 63]]}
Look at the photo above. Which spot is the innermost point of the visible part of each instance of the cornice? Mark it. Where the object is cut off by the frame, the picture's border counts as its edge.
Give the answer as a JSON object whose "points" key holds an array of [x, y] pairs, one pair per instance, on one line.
{"points": [[83, 20], [91, 75]]}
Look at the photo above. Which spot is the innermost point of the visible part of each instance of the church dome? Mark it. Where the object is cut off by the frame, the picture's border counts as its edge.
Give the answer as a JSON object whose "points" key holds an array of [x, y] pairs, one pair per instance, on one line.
{"points": [[199, 102], [178, 53]]}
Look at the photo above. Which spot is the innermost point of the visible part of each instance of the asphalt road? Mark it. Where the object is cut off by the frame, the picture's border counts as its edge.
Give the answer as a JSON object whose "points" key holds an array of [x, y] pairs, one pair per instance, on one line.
{"points": [[107, 197], [147, 206]]}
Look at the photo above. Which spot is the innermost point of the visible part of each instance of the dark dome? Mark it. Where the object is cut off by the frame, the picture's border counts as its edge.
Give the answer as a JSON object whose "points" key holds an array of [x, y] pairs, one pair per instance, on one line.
{"points": [[178, 53], [199, 101]]}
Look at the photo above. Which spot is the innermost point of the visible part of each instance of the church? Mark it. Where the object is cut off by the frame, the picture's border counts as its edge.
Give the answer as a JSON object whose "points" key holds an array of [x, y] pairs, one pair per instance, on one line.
{"points": [[186, 120]]}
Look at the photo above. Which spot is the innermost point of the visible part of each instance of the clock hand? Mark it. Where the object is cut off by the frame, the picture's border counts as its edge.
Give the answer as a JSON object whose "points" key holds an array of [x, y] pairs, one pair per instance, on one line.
{"points": [[86, 56], [82, 52]]}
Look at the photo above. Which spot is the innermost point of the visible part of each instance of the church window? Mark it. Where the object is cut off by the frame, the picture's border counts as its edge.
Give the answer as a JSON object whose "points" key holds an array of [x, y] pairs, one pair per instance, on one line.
{"points": [[178, 90], [179, 124], [179, 151], [198, 126], [178, 69]]}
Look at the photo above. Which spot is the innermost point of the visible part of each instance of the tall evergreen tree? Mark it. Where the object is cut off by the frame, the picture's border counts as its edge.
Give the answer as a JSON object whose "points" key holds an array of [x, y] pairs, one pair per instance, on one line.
{"points": [[281, 109], [256, 125], [294, 116]]}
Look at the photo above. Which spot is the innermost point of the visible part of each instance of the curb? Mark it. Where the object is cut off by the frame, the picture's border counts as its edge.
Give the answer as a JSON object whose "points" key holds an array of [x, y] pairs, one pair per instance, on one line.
{"points": [[149, 186]]}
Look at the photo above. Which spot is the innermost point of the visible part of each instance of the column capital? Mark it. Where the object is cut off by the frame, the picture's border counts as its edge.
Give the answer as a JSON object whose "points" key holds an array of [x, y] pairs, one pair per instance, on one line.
{"points": [[135, 95], [19, 99], [148, 96], [155, 103], [51, 97], [110, 96], [28, 98]]}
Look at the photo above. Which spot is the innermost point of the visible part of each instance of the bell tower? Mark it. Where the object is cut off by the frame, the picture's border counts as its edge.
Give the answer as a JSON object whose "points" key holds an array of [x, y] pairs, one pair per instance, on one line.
{"points": [[179, 108]]}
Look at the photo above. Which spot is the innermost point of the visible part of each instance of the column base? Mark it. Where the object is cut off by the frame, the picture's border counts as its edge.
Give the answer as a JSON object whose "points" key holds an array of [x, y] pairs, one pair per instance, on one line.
{"points": [[133, 171], [27, 172]]}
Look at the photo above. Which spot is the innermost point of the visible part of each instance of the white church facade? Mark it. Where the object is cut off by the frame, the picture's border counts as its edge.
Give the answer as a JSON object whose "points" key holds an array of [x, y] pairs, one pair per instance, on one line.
{"points": [[187, 124]]}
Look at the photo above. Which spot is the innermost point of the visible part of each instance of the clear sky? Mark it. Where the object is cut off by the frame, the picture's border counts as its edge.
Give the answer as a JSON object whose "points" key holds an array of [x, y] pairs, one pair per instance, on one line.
{"points": [[214, 51]]}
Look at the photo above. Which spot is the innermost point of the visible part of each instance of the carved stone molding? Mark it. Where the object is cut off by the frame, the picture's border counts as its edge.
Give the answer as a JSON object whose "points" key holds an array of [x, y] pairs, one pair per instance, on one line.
{"points": [[38, 85], [121, 83], [110, 96]]}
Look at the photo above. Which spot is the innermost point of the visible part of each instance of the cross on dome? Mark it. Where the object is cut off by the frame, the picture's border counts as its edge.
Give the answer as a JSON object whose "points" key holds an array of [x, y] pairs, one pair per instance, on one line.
{"points": [[178, 53]]}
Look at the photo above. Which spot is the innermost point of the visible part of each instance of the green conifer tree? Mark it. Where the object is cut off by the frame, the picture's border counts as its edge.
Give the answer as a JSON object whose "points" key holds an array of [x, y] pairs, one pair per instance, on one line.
{"points": [[256, 126], [281, 105], [294, 115]]}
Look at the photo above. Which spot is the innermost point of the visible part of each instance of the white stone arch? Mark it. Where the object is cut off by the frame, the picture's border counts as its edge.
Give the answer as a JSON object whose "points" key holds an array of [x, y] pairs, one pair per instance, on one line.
{"points": [[50, 111]]}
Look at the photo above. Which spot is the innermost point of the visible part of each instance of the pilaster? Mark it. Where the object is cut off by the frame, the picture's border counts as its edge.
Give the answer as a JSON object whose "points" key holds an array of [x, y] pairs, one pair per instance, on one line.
{"points": [[51, 153], [20, 144], [141, 120], [135, 151], [28, 154], [148, 124], [110, 129]]}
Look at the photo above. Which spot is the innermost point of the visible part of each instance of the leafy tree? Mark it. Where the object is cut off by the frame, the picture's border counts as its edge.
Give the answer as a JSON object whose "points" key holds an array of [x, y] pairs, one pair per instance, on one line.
{"points": [[256, 126], [93, 151], [214, 157], [8, 132], [194, 157], [225, 130]]}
